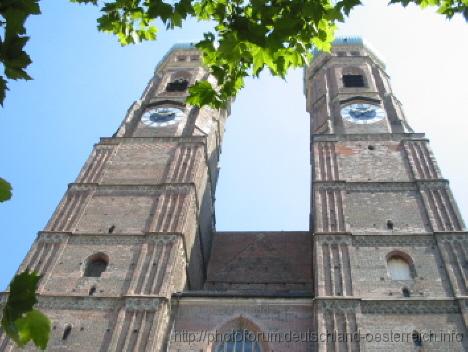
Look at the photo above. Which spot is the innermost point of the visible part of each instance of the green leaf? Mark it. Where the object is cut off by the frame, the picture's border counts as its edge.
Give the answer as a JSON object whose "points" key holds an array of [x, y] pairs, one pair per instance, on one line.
{"points": [[22, 295], [5, 187], [20, 321], [202, 93], [33, 326], [13, 15]]}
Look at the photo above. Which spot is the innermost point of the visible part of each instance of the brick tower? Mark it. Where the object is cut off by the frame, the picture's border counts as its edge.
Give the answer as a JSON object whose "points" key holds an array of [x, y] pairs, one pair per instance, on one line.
{"points": [[389, 246], [131, 261], [137, 224]]}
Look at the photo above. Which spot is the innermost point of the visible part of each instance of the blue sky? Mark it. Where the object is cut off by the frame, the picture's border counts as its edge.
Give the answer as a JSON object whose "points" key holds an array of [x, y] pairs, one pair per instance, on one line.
{"points": [[84, 82]]}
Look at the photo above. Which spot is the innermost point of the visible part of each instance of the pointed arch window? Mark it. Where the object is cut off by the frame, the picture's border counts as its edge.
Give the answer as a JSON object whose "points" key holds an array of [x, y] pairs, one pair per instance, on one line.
{"points": [[240, 335], [239, 341], [96, 265], [399, 268]]}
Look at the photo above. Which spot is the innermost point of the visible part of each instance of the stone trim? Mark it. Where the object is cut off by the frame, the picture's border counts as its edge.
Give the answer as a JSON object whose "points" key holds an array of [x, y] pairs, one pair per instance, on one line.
{"points": [[369, 137], [365, 186], [393, 240], [136, 140], [409, 306]]}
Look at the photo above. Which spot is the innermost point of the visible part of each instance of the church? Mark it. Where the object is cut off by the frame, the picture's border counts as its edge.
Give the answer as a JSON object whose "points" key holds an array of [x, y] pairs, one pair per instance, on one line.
{"points": [[131, 259]]}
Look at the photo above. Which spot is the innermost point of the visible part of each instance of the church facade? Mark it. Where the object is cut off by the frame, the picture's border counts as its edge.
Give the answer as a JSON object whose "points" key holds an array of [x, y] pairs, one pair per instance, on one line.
{"points": [[131, 260]]}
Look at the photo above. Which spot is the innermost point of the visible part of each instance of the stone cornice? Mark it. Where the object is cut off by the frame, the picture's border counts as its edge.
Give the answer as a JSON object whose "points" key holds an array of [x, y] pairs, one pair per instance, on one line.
{"points": [[381, 186], [148, 189], [389, 306], [393, 240], [343, 304], [365, 186], [127, 140], [95, 303], [451, 236], [410, 306], [369, 137]]}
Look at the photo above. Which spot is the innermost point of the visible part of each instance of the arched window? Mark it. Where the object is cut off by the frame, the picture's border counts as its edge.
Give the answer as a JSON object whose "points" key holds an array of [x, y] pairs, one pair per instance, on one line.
{"points": [[96, 265], [398, 268], [239, 341], [66, 332]]}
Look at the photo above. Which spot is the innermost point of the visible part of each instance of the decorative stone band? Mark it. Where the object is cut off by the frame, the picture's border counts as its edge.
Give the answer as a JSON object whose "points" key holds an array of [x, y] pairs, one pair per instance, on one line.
{"points": [[123, 140], [381, 186], [143, 189], [108, 239], [339, 238], [402, 306], [394, 241], [454, 236], [423, 239], [100, 303], [387, 306], [343, 304], [370, 137]]}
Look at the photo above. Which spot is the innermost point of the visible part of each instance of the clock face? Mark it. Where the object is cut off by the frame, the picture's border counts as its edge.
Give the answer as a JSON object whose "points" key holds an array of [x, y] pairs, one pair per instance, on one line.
{"points": [[362, 113], [162, 116]]}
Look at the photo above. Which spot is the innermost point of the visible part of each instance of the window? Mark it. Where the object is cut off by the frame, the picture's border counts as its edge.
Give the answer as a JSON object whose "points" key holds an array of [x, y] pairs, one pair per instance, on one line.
{"points": [[398, 268], [92, 291], [66, 332], [353, 81], [355, 53], [406, 292], [96, 265], [178, 85], [416, 336], [195, 58], [181, 58], [239, 341], [389, 224], [341, 53]]}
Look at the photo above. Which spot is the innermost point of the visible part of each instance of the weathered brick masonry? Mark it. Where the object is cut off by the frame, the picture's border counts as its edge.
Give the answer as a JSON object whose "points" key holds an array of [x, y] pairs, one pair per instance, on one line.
{"points": [[131, 260]]}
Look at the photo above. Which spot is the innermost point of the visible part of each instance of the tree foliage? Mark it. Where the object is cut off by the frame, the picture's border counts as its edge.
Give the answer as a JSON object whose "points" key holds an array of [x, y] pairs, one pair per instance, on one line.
{"points": [[20, 320], [15, 60], [5, 190], [249, 35]]}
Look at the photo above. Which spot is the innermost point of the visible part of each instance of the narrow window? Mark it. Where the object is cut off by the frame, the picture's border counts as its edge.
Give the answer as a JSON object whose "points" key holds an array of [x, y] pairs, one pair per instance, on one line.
{"points": [[390, 224], [406, 292], [92, 291], [111, 229], [66, 332], [353, 81], [398, 268], [178, 85], [416, 336], [96, 265]]}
